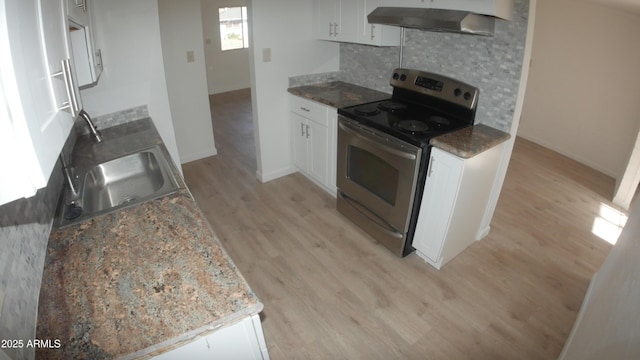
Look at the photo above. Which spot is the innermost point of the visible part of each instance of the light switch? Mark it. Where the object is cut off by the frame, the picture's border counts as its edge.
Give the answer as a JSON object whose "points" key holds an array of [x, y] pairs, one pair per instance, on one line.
{"points": [[190, 56], [266, 55]]}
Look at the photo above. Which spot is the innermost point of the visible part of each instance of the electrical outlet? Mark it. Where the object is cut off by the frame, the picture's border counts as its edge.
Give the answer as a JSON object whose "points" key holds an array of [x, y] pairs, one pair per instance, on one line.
{"points": [[266, 55], [190, 56]]}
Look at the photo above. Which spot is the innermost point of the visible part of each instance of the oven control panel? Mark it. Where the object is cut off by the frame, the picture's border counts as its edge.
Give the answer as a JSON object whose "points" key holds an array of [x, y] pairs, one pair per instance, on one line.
{"points": [[436, 85]]}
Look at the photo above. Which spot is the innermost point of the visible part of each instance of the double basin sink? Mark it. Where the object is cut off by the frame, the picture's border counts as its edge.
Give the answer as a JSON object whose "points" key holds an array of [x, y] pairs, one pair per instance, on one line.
{"points": [[112, 185]]}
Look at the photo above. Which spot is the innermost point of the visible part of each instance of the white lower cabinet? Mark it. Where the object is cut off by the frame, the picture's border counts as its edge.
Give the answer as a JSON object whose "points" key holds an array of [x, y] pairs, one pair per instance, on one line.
{"points": [[243, 340], [313, 141], [454, 201]]}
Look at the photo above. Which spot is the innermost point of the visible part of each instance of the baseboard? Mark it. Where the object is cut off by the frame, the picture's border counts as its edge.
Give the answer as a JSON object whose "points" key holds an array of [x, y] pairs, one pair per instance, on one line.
{"points": [[482, 233], [197, 156], [266, 177], [576, 157]]}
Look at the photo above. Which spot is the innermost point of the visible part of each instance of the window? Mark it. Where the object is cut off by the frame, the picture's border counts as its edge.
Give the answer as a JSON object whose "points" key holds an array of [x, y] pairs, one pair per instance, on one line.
{"points": [[234, 29]]}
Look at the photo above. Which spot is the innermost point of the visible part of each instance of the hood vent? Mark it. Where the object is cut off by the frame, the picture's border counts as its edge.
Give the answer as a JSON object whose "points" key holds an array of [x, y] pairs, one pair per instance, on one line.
{"points": [[434, 20]]}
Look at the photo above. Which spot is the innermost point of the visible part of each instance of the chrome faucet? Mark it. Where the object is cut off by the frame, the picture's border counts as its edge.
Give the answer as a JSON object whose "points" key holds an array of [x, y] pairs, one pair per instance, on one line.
{"points": [[92, 128], [68, 176]]}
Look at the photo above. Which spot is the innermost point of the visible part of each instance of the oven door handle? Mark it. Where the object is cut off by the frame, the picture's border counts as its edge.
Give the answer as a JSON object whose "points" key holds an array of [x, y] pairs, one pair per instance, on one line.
{"points": [[375, 219], [387, 148]]}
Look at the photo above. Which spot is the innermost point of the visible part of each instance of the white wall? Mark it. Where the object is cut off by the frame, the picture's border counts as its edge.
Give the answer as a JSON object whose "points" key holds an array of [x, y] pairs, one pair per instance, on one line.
{"points": [[583, 86], [181, 32], [285, 27], [226, 70], [608, 325], [128, 32]]}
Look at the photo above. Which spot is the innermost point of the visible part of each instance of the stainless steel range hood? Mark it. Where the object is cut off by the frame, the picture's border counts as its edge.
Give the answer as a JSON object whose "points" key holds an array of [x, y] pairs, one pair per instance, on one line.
{"points": [[434, 20]]}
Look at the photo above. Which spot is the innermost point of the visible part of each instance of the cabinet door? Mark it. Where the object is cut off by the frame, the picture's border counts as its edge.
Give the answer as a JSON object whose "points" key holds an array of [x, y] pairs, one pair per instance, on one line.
{"points": [[405, 3], [347, 21], [299, 141], [325, 18], [32, 48], [78, 11], [438, 200], [375, 34], [318, 137], [88, 61], [243, 340]]}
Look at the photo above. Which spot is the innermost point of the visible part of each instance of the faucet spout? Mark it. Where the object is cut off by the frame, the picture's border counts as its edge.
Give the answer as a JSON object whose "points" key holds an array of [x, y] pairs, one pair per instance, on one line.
{"points": [[92, 128], [68, 176]]}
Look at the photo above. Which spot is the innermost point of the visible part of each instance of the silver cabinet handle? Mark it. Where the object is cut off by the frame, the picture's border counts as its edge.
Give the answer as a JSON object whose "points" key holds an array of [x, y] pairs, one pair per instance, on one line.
{"points": [[71, 87], [305, 109], [307, 131], [431, 162], [373, 36], [69, 84], [335, 29], [99, 59], [82, 5], [301, 129]]}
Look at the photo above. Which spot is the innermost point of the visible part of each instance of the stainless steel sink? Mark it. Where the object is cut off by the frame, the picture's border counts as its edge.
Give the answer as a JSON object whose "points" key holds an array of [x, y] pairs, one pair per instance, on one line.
{"points": [[121, 182]]}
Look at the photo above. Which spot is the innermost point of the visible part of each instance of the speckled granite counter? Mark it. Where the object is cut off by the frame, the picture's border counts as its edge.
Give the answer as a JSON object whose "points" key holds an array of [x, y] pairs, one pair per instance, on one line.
{"points": [[470, 141], [338, 94], [139, 281]]}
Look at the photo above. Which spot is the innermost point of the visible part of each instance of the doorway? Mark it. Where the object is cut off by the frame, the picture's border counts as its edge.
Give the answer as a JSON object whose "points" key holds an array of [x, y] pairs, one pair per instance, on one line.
{"points": [[226, 27]]}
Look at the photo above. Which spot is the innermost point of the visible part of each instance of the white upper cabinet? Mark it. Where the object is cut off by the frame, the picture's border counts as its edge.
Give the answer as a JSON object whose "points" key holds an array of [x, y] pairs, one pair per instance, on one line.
{"points": [[78, 11], [335, 20], [346, 21], [499, 8], [375, 34], [86, 57], [36, 95]]}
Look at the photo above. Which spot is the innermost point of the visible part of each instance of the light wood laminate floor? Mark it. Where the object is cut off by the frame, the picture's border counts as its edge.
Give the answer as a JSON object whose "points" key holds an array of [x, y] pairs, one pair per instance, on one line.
{"points": [[331, 293]]}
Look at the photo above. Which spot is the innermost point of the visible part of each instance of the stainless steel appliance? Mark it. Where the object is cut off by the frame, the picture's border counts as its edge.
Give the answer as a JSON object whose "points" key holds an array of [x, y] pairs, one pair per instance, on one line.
{"points": [[383, 148]]}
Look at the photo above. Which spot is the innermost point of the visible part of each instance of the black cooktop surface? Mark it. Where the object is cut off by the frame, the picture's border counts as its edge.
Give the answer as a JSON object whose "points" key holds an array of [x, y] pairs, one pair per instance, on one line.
{"points": [[410, 122]]}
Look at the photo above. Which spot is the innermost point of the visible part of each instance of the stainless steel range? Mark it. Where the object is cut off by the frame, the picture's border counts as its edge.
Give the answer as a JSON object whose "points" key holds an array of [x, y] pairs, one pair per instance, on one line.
{"points": [[383, 150]]}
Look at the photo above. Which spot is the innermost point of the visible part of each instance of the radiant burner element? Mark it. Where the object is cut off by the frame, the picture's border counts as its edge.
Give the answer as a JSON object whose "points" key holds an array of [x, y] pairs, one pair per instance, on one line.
{"points": [[367, 110], [440, 121], [413, 126], [392, 106]]}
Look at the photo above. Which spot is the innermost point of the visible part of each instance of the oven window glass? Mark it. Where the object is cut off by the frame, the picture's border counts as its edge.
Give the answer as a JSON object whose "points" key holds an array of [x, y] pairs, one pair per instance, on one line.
{"points": [[373, 174]]}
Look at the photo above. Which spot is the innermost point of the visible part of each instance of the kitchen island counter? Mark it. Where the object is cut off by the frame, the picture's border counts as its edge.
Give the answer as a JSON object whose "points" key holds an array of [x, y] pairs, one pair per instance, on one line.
{"points": [[138, 282]]}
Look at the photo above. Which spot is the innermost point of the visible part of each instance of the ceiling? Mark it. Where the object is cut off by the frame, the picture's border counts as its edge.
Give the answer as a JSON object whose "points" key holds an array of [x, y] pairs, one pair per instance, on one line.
{"points": [[632, 6]]}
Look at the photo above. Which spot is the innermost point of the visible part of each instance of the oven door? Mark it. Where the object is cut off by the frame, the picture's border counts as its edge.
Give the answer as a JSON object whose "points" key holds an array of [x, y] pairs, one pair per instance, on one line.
{"points": [[376, 179]]}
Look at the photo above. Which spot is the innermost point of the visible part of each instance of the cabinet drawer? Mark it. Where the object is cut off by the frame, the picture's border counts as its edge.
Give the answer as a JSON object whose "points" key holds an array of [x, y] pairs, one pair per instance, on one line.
{"points": [[309, 109]]}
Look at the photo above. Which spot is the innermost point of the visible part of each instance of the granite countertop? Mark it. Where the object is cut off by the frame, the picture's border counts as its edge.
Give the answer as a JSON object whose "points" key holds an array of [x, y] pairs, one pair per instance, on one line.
{"points": [[470, 141], [138, 282], [338, 94]]}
